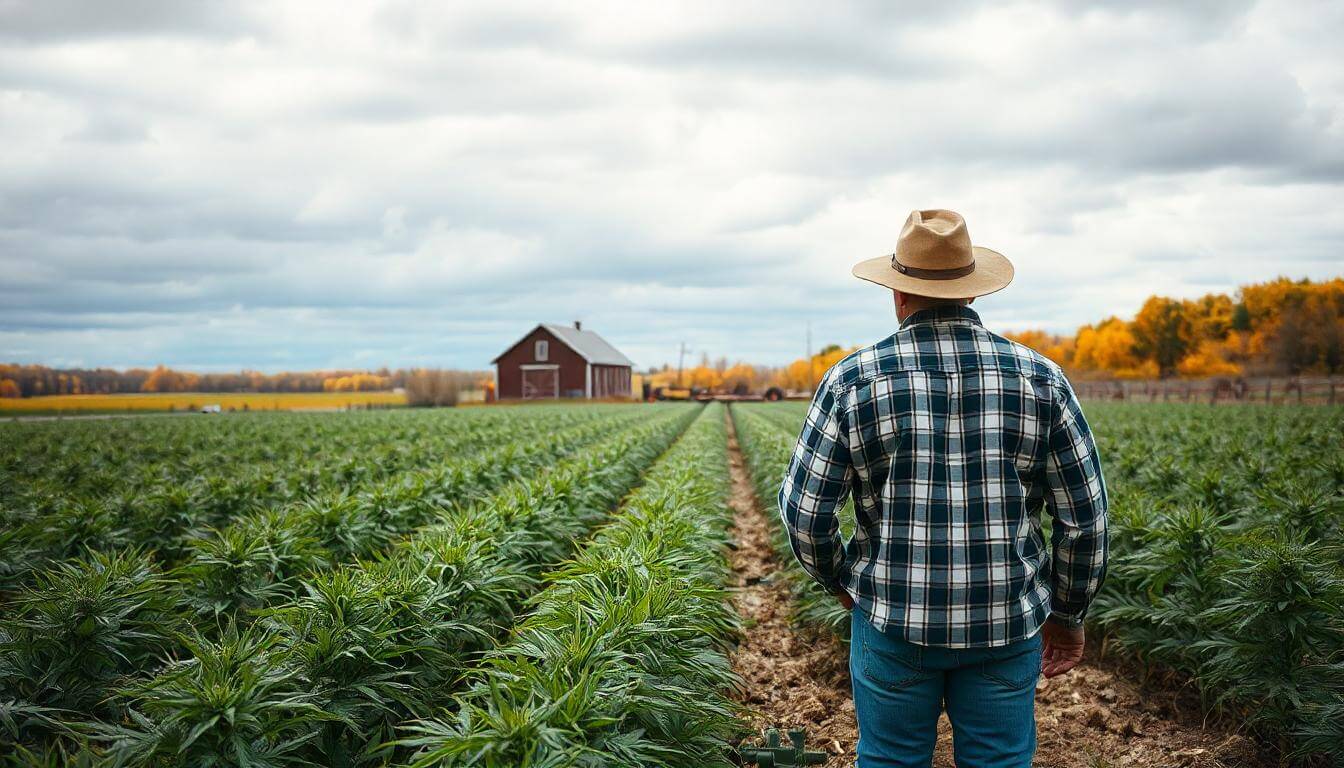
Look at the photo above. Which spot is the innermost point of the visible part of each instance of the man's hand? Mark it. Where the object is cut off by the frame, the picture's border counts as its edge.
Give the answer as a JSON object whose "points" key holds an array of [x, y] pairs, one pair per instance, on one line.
{"points": [[1061, 648], [846, 601]]}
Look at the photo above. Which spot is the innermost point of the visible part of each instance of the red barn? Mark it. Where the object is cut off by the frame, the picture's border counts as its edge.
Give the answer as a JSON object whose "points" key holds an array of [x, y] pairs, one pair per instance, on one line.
{"points": [[561, 361]]}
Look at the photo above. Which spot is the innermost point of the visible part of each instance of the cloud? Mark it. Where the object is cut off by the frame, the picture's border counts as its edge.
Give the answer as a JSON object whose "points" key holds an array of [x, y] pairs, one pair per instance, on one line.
{"points": [[279, 186], [45, 21]]}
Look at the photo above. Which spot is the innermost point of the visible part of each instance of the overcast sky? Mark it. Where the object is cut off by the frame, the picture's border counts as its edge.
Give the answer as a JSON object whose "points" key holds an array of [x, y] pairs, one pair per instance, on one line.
{"points": [[310, 185]]}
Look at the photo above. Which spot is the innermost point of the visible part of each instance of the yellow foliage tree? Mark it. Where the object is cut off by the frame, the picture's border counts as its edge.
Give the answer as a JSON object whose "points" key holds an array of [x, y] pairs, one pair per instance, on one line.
{"points": [[1163, 332], [164, 379], [703, 377], [1279, 327], [805, 373], [1208, 360], [741, 378], [1110, 347], [1058, 348]]}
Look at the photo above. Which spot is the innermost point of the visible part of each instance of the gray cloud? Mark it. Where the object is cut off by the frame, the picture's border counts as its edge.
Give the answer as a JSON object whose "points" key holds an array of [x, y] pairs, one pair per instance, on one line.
{"points": [[280, 186], [44, 21]]}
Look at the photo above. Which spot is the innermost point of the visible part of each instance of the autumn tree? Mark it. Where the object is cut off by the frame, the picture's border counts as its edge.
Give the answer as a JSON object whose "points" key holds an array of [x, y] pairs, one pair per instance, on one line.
{"points": [[164, 379], [804, 373], [1210, 317], [1110, 347], [742, 379], [1058, 348], [10, 388], [1163, 333], [1279, 327], [1207, 359], [702, 377], [1309, 337]]}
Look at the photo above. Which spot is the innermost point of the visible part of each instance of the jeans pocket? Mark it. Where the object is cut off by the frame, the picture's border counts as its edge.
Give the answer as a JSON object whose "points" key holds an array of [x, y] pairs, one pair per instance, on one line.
{"points": [[891, 663], [1015, 666]]}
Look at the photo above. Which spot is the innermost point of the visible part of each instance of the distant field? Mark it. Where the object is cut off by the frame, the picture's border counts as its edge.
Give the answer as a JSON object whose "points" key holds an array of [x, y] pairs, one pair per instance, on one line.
{"points": [[190, 401]]}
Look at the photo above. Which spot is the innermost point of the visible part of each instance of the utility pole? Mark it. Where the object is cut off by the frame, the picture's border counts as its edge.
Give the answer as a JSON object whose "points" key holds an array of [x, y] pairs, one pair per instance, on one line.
{"points": [[681, 361]]}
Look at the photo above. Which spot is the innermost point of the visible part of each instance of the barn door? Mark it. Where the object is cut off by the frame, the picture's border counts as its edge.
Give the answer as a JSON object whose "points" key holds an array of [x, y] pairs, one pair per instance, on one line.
{"points": [[541, 383]]}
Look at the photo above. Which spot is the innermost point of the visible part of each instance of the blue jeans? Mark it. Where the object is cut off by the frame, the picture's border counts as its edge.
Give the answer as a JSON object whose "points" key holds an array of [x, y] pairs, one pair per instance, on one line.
{"points": [[901, 688]]}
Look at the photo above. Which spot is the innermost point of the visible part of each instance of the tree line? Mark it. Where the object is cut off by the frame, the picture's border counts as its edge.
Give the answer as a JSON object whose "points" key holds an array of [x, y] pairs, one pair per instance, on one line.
{"points": [[36, 380], [1280, 328], [743, 378]]}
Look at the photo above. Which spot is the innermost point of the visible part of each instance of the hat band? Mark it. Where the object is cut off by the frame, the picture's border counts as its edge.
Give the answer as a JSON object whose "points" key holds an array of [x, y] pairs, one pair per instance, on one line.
{"points": [[932, 274]]}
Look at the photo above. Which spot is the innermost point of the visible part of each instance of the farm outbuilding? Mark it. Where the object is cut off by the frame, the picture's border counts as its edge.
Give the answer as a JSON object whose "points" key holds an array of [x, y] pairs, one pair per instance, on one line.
{"points": [[554, 361]]}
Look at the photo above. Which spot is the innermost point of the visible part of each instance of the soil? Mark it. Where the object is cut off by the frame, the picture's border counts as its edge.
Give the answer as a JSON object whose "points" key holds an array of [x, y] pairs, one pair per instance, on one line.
{"points": [[1092, 717], [792, 677]]}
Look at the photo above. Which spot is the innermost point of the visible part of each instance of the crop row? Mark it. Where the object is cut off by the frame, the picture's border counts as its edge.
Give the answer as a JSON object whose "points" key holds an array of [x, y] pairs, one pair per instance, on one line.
{"points": [[1227, 564], [298, 452], [1227, 538], [254, 561], [622, 661], [183, 523], [326, 671]]}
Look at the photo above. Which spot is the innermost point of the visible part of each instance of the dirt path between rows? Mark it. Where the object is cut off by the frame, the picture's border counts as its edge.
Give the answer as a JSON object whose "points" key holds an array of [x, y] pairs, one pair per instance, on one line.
{"points": [[1093, 717], [792, 677]]}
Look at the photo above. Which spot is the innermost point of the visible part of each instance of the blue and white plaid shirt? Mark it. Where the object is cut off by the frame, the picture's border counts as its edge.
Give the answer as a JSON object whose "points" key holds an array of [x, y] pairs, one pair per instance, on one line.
{"points": [[951, 439]]}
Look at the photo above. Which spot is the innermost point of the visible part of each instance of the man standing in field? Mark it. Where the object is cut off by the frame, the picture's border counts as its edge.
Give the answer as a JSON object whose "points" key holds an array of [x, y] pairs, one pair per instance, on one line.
{"points": [[951, 440]]}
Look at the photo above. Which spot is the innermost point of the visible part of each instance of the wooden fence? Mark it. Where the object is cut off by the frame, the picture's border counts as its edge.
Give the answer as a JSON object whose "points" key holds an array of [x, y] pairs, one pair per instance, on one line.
{"points": [[1315, 390]]}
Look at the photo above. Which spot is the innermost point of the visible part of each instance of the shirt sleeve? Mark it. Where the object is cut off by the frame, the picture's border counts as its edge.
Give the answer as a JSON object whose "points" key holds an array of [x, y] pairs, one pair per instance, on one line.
{"points": [[815, 486], [1077, 503]]}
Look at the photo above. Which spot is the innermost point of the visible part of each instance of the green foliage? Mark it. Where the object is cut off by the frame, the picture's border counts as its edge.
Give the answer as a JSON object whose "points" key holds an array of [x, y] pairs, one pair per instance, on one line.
{"points": [[229, 705], [622, 661], [1275, 638], [1233, 574], [343, 641], [158, 483], [346, 526], [81, 629], [246, 566], [327, 601], [1226, 525], [78, 525]]}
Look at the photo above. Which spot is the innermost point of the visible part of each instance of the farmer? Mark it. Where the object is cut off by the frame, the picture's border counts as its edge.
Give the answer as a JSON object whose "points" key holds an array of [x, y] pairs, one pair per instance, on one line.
{"points": [[950, 440]]}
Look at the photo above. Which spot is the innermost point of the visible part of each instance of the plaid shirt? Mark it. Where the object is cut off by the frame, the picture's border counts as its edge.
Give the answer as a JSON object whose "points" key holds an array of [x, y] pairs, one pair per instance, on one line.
{"points": [[950, 439]]}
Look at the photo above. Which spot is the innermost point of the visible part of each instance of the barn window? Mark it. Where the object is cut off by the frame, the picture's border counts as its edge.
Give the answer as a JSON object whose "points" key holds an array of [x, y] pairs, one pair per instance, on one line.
{"points": [[543, 348]]}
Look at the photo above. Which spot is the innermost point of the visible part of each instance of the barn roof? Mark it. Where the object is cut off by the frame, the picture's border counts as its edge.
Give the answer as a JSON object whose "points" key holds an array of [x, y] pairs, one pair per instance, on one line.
{"points": [[587, 344]]}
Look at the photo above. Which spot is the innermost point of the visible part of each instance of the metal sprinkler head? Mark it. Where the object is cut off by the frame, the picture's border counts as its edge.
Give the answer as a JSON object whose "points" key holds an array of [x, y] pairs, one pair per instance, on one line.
{"points": [[774, 754]]}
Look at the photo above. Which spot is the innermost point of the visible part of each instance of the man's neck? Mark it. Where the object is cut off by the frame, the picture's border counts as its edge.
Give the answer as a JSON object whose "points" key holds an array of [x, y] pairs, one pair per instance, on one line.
{"points": [[916, 304], [942, 313]]}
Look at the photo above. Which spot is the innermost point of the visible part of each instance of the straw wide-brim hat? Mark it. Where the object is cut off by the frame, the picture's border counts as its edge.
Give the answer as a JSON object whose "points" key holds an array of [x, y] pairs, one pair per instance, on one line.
{"points": [[934, 257]]}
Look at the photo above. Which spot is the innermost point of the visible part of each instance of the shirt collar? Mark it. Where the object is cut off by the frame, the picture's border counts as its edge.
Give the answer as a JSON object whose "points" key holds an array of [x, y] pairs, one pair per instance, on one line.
{"points": [[951, 312]]}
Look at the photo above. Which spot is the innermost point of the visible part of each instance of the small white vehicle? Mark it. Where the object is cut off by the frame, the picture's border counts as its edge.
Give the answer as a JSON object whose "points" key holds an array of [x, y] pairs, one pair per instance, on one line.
{"points": [[212, 408]]}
